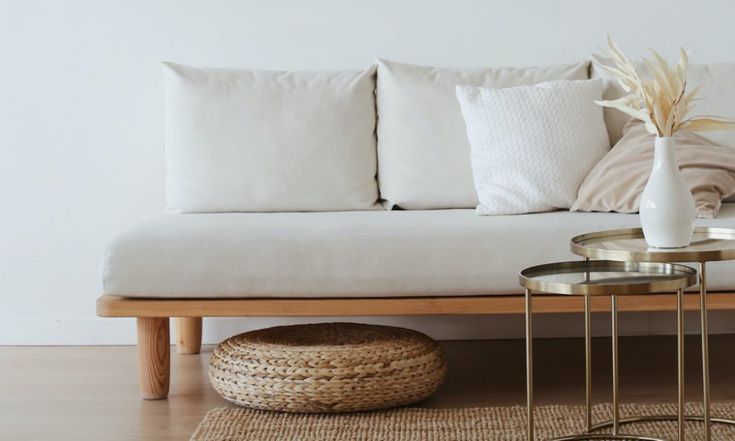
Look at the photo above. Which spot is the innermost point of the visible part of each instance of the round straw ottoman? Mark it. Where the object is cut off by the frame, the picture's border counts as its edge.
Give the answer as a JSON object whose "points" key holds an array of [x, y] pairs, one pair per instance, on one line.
{"points": [[327, 367]]}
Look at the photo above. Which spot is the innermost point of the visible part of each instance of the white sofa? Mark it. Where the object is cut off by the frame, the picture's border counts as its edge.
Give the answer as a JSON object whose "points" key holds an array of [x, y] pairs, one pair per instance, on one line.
{"points": [[289, 207]]}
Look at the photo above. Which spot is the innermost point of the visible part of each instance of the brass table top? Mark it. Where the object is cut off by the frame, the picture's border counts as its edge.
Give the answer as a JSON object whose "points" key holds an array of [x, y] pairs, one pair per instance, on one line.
{"points": [[629, 245], [605, 278]]}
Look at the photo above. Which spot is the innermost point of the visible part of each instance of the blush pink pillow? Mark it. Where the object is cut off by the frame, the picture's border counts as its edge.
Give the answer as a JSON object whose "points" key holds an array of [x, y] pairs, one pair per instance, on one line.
{"points": [[617, 181]]}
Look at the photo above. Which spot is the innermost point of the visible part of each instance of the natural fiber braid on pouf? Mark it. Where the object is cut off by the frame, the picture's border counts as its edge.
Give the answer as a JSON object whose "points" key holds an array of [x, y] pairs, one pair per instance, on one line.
{"points": [[327, 367]]}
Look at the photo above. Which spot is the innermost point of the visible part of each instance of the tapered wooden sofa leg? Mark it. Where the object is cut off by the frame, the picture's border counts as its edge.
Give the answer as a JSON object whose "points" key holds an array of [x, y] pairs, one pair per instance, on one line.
{"points": [[188, 335], [154, 357]]}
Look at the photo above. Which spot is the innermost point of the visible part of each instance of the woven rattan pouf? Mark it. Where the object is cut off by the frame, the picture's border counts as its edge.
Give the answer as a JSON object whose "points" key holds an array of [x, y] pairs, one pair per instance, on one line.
{"points": [[327, 367]]}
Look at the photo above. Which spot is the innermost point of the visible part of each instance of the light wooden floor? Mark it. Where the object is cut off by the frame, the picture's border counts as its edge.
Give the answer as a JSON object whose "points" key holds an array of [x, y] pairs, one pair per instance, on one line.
{"points": [[90, 393]]}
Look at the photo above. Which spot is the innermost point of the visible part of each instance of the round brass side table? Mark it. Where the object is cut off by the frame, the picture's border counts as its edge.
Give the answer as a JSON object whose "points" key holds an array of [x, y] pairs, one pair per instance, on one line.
{"points": [[708, 245], [592, 278]]}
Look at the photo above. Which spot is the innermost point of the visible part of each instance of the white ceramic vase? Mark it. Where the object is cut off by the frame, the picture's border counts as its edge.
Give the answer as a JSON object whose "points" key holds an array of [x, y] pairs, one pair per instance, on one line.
{"points": [[667, 208]]}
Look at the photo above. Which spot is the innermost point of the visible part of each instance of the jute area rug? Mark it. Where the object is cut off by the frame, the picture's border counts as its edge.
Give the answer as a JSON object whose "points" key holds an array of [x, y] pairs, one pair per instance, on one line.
{"points": [[409, 424]]}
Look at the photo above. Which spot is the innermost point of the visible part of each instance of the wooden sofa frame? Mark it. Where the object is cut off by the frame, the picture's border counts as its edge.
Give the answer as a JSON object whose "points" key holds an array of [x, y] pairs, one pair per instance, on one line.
{"points": [[153, 317]]}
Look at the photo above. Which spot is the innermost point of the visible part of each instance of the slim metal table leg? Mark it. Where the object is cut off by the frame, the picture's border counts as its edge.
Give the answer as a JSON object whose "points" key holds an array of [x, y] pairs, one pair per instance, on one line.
{"points": [[680, 359], [588, 361], [616, 379], [705, 347], [529, 365]]}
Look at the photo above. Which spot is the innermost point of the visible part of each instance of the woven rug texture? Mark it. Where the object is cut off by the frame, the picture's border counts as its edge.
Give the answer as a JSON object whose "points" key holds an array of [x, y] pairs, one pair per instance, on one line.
{"points": [[475, 424]]}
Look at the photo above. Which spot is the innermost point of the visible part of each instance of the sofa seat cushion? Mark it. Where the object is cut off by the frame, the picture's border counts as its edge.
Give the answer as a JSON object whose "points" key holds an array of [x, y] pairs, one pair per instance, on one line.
{"points": [[352, 254]]}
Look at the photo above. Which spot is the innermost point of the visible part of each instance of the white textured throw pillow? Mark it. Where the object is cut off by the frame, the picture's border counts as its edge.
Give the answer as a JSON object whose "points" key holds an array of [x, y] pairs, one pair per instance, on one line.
{"points": [[423, 152], [251, 140], [532, 146]]}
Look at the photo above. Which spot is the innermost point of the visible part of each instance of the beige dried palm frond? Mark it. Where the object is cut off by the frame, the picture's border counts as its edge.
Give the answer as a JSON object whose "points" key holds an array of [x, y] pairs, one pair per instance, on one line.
{"points": [[659, 99]]}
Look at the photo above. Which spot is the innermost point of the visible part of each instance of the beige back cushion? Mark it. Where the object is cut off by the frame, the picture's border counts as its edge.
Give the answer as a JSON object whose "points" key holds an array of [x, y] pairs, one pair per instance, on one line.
{"points": [[255, 140], [423, 151]]}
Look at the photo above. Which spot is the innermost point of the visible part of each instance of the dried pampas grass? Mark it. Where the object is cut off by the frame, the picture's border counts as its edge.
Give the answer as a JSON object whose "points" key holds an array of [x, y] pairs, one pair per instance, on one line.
{"points": [[660, 100]]}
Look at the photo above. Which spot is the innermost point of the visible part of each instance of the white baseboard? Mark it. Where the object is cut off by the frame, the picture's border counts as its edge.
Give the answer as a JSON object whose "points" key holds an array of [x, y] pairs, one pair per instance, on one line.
{"points": [[109, 331]]}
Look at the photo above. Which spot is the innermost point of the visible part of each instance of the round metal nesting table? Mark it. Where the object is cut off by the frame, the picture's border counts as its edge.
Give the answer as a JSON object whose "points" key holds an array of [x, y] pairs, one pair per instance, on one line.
{"points": [[708, 245], [604, 278]]}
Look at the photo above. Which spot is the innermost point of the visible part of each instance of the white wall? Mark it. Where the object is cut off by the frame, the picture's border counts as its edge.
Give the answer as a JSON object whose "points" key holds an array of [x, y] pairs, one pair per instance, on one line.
{"points": [[81, 148]]}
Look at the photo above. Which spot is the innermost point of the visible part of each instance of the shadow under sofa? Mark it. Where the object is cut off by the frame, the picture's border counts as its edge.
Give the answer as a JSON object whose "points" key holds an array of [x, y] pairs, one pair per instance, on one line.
{"points": [[359, 263]]}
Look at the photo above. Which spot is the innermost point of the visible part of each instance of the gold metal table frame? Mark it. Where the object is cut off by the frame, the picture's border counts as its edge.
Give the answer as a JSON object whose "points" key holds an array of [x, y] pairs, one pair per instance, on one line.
{"points": [[708, 245], [605, 278]]}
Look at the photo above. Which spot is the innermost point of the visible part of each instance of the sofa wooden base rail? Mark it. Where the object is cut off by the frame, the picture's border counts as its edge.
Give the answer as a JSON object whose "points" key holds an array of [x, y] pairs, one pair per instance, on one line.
{"points": [[153, 316]]}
